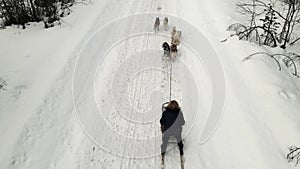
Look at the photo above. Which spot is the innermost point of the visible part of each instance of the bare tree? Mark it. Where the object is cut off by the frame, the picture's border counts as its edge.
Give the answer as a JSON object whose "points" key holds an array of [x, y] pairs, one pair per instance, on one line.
{"points": [[294, 155], [291, 18], [269, 23]]}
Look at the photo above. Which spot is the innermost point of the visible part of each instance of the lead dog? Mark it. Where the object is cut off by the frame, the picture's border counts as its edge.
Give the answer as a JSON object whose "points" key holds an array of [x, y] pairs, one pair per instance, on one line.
{"points": [[156, 25], [166, 22]]}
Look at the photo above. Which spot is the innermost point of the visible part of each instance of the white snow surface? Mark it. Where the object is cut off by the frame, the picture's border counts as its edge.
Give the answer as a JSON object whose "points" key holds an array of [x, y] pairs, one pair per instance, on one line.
{"points": [[39, 124]]}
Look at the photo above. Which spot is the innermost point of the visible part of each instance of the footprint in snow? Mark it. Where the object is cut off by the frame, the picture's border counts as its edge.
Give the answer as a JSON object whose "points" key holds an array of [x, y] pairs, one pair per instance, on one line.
{"points": [[287, 95]]}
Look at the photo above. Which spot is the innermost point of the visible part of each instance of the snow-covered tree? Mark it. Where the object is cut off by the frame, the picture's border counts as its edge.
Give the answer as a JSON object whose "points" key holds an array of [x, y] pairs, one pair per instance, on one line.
{"points": [[269, 22], [20, 12]]}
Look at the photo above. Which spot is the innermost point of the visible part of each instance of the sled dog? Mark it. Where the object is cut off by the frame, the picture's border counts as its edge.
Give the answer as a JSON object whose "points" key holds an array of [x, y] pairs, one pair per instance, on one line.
{"points": [[166, 22], [156, 25]]}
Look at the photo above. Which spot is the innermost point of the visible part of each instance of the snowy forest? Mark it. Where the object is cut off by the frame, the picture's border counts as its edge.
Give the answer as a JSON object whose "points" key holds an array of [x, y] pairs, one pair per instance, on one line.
{"points": [[152, 84], [20, 12]]}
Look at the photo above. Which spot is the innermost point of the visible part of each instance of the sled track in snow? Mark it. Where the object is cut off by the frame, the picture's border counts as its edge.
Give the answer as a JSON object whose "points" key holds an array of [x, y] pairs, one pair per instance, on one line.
{"points": [[123, 86]]}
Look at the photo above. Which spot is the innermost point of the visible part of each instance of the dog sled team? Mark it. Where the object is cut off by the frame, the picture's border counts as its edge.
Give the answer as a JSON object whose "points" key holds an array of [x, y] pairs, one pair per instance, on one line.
{"points": [[172, 49]]}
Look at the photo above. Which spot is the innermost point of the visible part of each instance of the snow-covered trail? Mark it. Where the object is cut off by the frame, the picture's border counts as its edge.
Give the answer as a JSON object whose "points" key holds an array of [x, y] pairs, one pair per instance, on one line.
{"points": [[52, 137], [133, 69], [49, 134], [243, 123], [46, 122]]}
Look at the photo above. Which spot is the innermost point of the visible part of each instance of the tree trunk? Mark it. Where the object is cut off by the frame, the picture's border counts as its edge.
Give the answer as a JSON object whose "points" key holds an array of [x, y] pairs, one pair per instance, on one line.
{"points": [[8, 11], [288, 25], [33, 10], [284, 31]]}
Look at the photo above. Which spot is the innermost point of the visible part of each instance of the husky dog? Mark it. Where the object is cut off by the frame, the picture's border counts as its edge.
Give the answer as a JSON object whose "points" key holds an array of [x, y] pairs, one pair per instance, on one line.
{"points": [[173, 32], [173, 50], [156, 25], [176, 38], [176, 35], [166, 48], [166, 21]]}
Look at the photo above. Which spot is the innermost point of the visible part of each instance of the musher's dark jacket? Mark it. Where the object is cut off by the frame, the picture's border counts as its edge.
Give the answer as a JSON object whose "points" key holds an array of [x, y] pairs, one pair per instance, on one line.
{"points": [[172, 119]]}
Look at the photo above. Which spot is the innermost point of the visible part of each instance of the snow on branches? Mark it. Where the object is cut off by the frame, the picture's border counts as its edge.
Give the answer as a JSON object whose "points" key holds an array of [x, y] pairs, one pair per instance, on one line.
{"points": [[290, 60], [270, 24]]}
